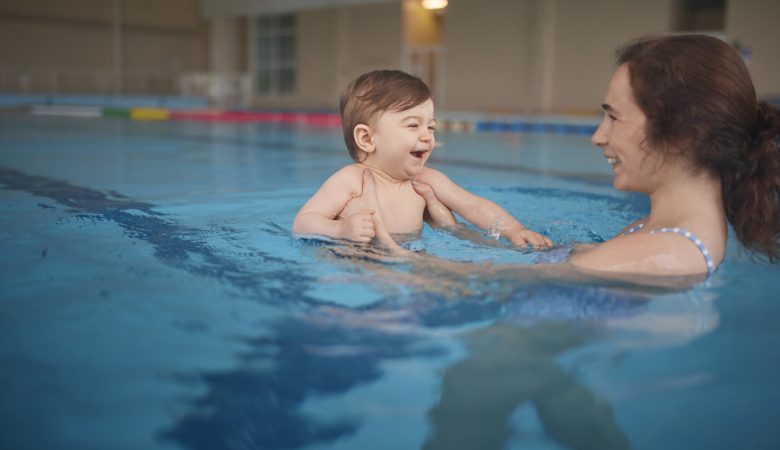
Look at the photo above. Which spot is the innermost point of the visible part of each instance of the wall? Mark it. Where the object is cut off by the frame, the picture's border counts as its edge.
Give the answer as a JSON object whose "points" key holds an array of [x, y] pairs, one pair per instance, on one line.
{"points": [[756, 25], [317, 51], [586, 36], [227, 45], [540, 55], [502, 55], [335, 45], [484, 63], [421, 27], [68, 45]]}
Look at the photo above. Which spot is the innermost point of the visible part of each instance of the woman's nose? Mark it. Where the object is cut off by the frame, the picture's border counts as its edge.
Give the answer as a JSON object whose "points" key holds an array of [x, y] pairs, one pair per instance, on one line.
{"points": [[599, 138]]}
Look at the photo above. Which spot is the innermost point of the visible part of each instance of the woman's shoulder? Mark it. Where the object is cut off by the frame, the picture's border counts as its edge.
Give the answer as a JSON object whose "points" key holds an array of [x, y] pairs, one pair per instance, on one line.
{"points": [[646, 253]]}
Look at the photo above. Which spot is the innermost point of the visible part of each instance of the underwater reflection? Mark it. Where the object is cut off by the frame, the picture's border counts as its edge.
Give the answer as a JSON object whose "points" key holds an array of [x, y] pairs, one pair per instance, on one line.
{"points": [[508, 366]]}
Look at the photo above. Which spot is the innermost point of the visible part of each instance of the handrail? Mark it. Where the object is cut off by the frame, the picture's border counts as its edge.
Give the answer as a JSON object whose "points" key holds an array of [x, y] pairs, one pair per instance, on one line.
{"points": [[223, 89]]}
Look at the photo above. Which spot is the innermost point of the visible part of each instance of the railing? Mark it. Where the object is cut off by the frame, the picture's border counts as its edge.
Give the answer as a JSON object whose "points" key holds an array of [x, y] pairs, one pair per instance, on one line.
{"points": [[223, 89], [53, 81]]}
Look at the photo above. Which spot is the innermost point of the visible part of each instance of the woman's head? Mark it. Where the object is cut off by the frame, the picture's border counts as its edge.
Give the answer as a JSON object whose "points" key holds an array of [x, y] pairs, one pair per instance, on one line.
{"points": [[701, 110], [622, 137]]}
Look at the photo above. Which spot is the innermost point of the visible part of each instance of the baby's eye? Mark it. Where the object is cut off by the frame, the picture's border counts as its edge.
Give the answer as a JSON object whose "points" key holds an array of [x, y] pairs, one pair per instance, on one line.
{"points": [[412, 125], [432, 129]]}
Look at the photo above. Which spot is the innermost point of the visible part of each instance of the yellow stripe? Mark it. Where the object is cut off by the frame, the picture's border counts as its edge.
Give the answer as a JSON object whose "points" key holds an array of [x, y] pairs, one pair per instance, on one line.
{"points": [[149, 114]]}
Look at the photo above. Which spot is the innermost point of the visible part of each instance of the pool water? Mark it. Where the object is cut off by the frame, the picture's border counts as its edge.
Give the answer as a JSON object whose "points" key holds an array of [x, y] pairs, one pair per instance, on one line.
{"points": [[152, 296]]}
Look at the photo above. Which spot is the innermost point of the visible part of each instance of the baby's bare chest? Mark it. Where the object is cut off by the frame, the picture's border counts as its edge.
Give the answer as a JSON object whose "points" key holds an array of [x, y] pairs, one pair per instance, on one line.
{"points": [[401, 207]]}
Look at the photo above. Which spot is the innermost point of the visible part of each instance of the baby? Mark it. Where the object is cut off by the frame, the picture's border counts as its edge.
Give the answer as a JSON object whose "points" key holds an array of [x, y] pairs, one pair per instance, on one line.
{"points": [[388, 123]]}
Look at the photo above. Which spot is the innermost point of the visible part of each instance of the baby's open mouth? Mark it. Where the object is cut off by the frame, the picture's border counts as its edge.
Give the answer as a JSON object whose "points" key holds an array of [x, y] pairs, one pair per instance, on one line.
{"points": [[419, 154]]}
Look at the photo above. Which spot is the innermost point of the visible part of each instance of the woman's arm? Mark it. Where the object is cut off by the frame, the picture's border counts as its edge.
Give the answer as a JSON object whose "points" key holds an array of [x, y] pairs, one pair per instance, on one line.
{"points": [[436, 213]]}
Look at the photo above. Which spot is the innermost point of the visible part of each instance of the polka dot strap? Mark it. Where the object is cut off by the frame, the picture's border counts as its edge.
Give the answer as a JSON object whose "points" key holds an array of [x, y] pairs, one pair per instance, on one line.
{"points": [[632, 229], [691, 237], [685, 233]]}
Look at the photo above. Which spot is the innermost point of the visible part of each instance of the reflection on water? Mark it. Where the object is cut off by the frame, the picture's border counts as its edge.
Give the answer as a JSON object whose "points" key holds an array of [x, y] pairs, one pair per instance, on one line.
{"points": [[514, 332], [511, 361], [507, 367]]}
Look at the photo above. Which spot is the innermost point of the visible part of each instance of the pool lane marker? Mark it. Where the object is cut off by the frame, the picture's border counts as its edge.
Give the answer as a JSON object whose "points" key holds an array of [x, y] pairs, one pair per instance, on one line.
{"points": [[458, 125], [66, 111], [149, 114]]}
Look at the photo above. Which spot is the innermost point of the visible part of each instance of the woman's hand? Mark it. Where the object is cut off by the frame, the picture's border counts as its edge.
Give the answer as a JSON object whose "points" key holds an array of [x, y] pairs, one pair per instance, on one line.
{"points": [[367, 204], [439, 216], [359, 226]]}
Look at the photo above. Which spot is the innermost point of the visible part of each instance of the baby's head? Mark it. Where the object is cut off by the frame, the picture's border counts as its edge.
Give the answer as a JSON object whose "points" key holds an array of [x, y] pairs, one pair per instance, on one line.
{"points": [[374, 93]]}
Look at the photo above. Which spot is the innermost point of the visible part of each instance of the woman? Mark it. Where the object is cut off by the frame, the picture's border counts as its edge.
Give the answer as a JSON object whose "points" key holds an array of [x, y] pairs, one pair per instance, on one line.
{"points": [[682, 125]]}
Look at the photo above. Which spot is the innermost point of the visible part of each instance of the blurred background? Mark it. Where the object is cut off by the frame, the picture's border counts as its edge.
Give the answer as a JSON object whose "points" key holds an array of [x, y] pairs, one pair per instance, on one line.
{"points": [[498, 56]]}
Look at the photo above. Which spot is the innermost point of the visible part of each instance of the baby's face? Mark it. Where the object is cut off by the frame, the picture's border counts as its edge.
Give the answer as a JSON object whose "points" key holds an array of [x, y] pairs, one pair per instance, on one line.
{"points": [[403, 140]]}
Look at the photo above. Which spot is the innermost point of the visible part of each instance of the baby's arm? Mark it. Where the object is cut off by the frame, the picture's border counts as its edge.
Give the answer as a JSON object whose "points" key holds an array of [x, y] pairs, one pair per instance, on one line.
{"points": [[320, 214], [480, 211]]}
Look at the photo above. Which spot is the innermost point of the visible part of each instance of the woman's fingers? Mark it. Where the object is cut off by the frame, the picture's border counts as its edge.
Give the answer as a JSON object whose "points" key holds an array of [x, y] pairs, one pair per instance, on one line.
{"points": [[369, 194]]}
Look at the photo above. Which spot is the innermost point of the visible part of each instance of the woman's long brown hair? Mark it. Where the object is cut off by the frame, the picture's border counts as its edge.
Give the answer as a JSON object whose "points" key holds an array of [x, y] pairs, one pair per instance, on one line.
{"points": [[700, 104]]}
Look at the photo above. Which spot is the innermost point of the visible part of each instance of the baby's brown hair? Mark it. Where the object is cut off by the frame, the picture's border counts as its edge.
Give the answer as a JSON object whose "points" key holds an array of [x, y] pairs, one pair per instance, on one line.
{"points": [[374, 93]]}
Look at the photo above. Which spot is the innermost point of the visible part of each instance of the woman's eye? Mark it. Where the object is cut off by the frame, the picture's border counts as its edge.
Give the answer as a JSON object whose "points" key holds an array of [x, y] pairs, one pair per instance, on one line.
{"points": [[432, 129], [412, 125]]}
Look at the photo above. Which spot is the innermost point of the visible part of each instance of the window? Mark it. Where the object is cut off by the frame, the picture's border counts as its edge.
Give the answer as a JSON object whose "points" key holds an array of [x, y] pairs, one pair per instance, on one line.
{"points": [[274, 56], [700, 15]]}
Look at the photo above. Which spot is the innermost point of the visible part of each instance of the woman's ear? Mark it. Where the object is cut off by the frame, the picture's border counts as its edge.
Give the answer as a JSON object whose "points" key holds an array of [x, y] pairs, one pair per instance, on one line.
{"points": [[363, 138]]}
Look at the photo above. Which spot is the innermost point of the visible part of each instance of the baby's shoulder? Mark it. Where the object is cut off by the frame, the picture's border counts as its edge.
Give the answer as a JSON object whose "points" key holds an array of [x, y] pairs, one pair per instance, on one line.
{"points": [[349, 178]]}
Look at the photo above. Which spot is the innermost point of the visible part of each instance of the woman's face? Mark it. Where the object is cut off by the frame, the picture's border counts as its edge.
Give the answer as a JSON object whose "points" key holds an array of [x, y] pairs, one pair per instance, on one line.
{"points": [[621, 136]]}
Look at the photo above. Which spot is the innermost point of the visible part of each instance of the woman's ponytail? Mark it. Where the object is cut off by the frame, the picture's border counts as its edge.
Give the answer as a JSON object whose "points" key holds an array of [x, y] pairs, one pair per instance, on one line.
{"points": [[752, 192]]}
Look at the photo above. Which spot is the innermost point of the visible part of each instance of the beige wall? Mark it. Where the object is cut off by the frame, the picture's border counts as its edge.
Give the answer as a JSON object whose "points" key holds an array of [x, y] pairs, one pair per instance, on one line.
{"points": [[369, 39], [72, 42], [540, 55], [421, 27], [586, 36], [756, 25], [486, 52], [501, 55], [335, 45], [317, 50], [227, 45]]}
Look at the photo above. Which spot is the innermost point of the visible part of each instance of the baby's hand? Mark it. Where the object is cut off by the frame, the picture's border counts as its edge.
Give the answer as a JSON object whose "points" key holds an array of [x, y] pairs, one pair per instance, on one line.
{"points": [[358, 227], [524, 236]]}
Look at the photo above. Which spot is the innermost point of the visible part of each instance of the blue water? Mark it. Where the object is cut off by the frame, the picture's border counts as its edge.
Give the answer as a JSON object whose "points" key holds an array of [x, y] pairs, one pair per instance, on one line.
{"points": [[152, 296]]}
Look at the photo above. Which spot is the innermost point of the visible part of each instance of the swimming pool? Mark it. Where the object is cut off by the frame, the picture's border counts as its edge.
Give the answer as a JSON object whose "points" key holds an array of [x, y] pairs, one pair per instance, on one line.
{"points": [[153, 297]]}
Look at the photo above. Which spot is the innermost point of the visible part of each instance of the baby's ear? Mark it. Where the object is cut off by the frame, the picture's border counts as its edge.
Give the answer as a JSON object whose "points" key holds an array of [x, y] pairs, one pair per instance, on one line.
{"points": [[364, 137]]}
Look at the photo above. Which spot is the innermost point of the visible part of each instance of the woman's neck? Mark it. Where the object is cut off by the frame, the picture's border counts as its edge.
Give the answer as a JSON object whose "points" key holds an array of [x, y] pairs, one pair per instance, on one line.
{"points": [[683, 194]]}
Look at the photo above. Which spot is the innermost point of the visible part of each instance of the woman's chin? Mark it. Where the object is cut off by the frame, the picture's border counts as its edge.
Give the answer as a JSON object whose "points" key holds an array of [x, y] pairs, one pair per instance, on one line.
{"points": [[619, 185]]}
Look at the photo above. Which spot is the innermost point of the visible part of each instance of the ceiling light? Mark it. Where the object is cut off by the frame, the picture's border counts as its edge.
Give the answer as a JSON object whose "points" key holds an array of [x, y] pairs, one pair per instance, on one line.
{"points": [[434, 4]]}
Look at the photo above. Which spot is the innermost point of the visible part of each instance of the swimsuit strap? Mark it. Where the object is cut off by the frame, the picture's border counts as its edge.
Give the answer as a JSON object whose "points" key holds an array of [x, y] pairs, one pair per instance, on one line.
{"points": [[632, 229], [686, 234], [691, 237]]}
